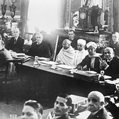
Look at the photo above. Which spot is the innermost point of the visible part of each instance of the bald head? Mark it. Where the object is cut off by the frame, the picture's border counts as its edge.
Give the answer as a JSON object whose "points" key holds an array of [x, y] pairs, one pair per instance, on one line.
{"points": [[15, 32], [66, 43], [98, 95], [96, 101]]}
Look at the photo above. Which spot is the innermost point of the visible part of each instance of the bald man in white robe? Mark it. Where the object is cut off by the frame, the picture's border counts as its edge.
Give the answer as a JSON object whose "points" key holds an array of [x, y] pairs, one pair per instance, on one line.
{"points": [[66, 54]]}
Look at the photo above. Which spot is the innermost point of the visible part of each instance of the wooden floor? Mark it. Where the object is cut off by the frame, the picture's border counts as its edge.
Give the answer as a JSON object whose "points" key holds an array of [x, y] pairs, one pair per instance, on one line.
{"points": [[14, 107]]}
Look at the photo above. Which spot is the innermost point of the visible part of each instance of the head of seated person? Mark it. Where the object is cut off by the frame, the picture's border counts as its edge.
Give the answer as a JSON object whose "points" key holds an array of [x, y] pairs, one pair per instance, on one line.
{"points": [[15, 32], [108, 53], [66, 44], [81, 44], [32, 110], [91, 46], [7, 25], [96, 101], [39, 37], [71, 34], [62, 106], [115, 37]]}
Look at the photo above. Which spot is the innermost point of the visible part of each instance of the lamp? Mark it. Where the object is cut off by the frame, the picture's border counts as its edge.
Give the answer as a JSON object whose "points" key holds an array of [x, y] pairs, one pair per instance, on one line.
{"points": [[3, 9]]}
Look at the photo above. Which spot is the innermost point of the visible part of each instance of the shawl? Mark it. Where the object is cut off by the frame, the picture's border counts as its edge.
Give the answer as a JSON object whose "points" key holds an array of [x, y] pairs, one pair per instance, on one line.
{"points": [[66, 56]]}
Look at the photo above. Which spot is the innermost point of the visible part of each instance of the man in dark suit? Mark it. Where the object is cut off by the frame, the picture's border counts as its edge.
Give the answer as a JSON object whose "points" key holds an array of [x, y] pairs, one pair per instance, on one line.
{"points": [[16, 42], [62, 107], [96, 103], [6, 32], [110, 63], [91, 61], [115, 43], [40, 48]]}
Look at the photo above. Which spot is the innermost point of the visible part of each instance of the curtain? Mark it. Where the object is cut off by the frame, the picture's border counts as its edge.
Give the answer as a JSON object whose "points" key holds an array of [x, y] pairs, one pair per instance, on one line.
{"points": [[24, 14]]}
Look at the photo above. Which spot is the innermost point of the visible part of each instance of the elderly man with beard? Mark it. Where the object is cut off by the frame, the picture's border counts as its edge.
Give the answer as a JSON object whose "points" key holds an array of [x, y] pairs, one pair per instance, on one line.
{"points": [[40, 47], [66, 54], [110, 63]]}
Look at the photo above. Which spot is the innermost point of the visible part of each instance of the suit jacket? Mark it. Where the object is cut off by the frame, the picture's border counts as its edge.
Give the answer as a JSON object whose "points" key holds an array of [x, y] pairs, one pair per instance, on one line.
{"points": [[87, 61], [116, 48], [113, 69], [16, 46], [101, 114], [41, 50]]}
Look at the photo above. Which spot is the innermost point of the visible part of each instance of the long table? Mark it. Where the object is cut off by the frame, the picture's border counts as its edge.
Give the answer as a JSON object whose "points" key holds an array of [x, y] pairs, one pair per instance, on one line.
{"points": [[45, 82]]}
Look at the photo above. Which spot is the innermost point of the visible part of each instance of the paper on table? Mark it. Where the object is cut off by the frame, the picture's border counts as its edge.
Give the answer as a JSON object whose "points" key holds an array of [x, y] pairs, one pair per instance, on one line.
{"points": [[48, 62], [43, 58], [65, 66]]}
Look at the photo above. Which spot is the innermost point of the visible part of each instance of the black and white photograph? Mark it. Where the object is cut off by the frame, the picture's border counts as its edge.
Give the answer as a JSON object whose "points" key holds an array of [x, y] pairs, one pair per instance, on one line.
{"points": [[59, 59]]}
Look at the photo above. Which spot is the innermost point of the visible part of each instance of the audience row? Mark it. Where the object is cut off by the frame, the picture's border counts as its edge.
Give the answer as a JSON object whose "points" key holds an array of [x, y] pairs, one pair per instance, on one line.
{"points": [[63, 106]]}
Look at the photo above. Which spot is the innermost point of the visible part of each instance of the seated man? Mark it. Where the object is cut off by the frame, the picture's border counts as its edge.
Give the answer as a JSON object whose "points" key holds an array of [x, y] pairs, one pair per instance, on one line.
{"points": [[62, 107], [71, 37], [66, 54], [40, 48], [115, 43], [32, 110], [91, 61], [110, 63], [96, 103], [6, 32], [112, 103], [4, 57], [80, 52], [16, 42]]}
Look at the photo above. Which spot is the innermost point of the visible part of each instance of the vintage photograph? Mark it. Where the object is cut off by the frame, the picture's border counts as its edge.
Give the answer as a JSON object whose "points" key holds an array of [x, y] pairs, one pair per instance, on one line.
{"points": [[59, 59]]}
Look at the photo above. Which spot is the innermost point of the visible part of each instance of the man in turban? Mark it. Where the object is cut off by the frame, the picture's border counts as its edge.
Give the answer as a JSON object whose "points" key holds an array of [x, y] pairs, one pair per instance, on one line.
{"points": [[80, 53], [91, 61]]}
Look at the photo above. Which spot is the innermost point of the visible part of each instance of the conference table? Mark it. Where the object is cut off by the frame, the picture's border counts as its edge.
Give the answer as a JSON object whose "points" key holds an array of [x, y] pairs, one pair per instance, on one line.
{"points": [[47, 81]]}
